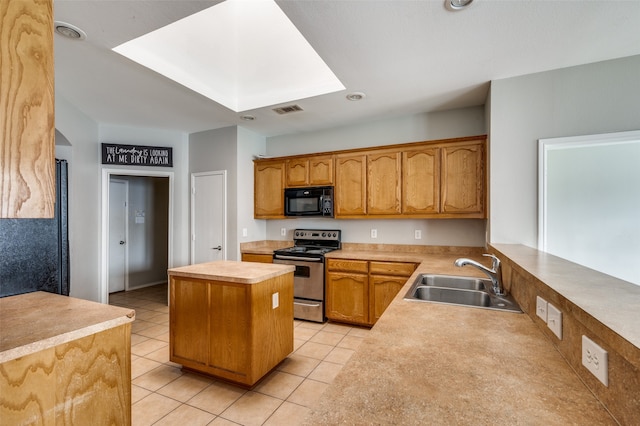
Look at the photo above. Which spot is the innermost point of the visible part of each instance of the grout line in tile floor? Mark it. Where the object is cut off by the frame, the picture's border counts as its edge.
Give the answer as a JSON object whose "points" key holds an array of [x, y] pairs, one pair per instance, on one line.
{"points": [[162, 394]]}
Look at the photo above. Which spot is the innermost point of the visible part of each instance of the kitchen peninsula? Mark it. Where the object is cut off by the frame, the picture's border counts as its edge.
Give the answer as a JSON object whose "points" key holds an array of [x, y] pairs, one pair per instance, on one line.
{"points": [[64, 361], [231, 320]]}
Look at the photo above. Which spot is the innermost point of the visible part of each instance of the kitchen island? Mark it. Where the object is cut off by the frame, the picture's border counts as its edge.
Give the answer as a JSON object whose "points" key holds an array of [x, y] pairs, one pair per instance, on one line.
{"points": [[64, 361], [231, 320]]}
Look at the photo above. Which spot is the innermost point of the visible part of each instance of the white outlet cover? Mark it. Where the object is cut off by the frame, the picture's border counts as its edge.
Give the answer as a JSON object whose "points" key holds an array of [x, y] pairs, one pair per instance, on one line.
{"points": [[275, 300], [374, 233], [595, 359], [541, 308], [417, 234], [554, 320]]}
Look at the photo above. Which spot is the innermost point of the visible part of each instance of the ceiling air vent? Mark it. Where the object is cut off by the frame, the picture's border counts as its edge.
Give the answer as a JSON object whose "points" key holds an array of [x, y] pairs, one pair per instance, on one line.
{"points": [[288, 109]]}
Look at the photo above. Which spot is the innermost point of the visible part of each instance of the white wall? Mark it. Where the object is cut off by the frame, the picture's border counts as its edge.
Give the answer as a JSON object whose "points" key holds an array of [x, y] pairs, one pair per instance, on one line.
{"points": [[231, 149], [589, 99], [84, 199], [250, 144], [414, 128], [85, 175]]}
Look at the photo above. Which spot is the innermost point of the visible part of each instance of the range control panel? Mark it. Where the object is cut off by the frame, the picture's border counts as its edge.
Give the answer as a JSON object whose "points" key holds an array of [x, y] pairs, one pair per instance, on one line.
{"points": [[317, 234]]}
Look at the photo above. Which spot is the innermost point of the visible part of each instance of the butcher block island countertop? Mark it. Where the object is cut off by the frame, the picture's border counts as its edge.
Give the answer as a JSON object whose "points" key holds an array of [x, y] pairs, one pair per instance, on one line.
{"points": [[64, 361], [427, 363], [231, 320]]}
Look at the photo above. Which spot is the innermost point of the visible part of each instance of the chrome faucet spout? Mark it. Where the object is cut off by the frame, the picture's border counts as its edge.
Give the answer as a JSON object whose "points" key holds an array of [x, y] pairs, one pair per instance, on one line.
{"points": [[495, 272]]}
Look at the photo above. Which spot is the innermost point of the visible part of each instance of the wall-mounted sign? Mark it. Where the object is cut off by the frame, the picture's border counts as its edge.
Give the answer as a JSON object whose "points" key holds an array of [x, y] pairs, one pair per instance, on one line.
{"points": [[137, 155]]}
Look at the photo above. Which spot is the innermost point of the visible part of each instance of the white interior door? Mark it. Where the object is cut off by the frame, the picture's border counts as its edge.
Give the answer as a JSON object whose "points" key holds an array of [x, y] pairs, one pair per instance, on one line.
{"points": [[118, 193], [208, 216]]}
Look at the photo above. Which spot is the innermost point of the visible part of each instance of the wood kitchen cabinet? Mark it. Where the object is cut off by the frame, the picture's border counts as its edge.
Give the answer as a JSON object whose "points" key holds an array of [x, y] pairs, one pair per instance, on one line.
{"points": [[27, 133], [463, 178], [421, 181], [260, 258], [359, 291], [384, 182], [310, 171], [385, 281], [351, 185], [269, 178], [231, 330], [347, 290]]}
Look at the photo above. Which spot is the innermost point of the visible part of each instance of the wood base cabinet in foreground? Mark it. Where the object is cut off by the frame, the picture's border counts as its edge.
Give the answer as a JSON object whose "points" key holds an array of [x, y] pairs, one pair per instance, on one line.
{"points": [[83, 382], [234, 331]]}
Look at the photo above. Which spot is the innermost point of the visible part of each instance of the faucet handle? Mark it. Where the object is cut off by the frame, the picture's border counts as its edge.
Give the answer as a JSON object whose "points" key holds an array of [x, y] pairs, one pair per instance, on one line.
{"points": [[495, 261]]}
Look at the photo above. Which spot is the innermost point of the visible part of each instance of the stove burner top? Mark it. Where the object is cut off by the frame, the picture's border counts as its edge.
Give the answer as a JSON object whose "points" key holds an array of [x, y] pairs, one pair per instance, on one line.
{"points": [[312, 242]]}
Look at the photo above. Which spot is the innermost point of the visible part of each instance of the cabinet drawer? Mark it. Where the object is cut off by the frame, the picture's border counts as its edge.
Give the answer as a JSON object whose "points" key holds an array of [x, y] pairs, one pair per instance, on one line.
{"points": [[260, 258], [347, 265], [392, 268]]}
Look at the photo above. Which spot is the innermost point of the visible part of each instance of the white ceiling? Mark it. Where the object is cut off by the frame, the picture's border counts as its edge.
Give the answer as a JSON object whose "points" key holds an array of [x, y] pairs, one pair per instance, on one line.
{"points": [[407, 56]]}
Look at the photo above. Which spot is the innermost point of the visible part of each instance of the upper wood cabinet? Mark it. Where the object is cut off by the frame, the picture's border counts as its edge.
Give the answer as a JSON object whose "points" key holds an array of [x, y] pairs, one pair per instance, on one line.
{"points": [[310, 171], [421, 181], [27, 133], [269, 189], [463, 179], [351, 185], [383, 183], [436, 179]]}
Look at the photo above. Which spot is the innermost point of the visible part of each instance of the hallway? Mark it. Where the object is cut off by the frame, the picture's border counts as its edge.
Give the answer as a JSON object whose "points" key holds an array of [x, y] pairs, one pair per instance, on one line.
{"points": [[164, 395]]}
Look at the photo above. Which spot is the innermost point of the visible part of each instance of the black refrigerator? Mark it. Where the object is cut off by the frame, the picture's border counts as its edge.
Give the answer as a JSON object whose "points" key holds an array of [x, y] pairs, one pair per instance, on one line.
{"points": [[34, 253]]}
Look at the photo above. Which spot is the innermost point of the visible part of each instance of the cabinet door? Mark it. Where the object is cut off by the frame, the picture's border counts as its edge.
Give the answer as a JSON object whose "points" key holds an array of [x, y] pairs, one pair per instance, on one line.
{"points": [[189, 333], [383, 290], [269, 189], [27, 159], [383, 183], [348, 297], [463, 178], [351, 185], [230, 325], [298, 172], [321, 171], [421, 181]]}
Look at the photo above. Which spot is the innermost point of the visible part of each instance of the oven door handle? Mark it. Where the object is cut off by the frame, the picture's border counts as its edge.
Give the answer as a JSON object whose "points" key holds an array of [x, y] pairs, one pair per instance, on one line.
{"points": [[299, 258]]}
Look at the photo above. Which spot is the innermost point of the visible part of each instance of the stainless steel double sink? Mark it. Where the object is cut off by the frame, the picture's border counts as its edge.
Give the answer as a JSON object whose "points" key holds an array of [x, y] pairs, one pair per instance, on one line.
{"points": [[463, 291]]}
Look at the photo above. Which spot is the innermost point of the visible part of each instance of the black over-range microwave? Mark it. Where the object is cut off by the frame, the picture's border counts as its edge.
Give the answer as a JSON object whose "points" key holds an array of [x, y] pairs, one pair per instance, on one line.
{"points": [[314, 201]]}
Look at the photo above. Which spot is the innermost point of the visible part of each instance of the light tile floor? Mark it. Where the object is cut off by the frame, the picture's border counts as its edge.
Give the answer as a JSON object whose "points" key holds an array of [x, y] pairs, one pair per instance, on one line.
{"points": [[162, 394]]}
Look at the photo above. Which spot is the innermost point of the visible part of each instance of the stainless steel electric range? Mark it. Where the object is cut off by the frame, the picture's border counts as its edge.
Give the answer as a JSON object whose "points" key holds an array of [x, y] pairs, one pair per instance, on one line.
{"points": [[307, 255]]}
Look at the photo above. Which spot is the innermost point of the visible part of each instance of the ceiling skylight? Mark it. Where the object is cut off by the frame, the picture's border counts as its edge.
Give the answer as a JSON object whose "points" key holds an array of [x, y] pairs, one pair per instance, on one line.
{"points": [[243, 54]]}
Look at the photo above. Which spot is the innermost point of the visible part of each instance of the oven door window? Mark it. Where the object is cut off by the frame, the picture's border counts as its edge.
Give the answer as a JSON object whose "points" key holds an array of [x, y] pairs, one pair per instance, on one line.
{"points": [[302, 271], [304, 205]]}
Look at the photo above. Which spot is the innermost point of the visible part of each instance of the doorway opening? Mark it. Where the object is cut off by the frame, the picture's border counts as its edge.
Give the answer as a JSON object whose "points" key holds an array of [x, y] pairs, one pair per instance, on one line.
{"points": [[137, 229]]}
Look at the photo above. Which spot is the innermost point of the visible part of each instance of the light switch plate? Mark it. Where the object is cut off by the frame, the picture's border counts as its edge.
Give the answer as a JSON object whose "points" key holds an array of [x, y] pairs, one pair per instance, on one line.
{"points": [[541, 308], [595, 359], [554, 320]]}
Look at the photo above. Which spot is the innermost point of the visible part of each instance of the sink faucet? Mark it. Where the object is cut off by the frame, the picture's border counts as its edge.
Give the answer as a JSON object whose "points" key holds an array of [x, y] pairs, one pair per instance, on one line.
{"points": [[495, 273]]}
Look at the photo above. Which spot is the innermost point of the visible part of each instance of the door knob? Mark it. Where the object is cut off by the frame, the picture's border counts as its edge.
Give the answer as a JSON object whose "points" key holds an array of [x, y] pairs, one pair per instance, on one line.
{"points": [[216, 248], [122, 243]]}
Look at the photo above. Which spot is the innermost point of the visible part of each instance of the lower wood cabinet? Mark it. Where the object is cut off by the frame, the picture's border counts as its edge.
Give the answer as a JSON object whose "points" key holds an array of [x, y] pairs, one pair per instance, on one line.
{"points": [[260, 258], [231, 330], [358, 291]]}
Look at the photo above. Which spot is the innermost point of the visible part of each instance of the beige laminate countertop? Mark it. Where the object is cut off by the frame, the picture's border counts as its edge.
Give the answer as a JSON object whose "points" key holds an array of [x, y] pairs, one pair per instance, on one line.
{"points": [[36, 321], [232, 271], [427, 363]]}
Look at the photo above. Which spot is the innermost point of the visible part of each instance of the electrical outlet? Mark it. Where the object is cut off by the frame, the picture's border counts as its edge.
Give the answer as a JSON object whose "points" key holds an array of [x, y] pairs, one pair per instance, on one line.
{"points": [[417, 234], [374, 233], [595, 359], [541, 308], [245, 232], [275, 300], [283, 232], [554, 320]]}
